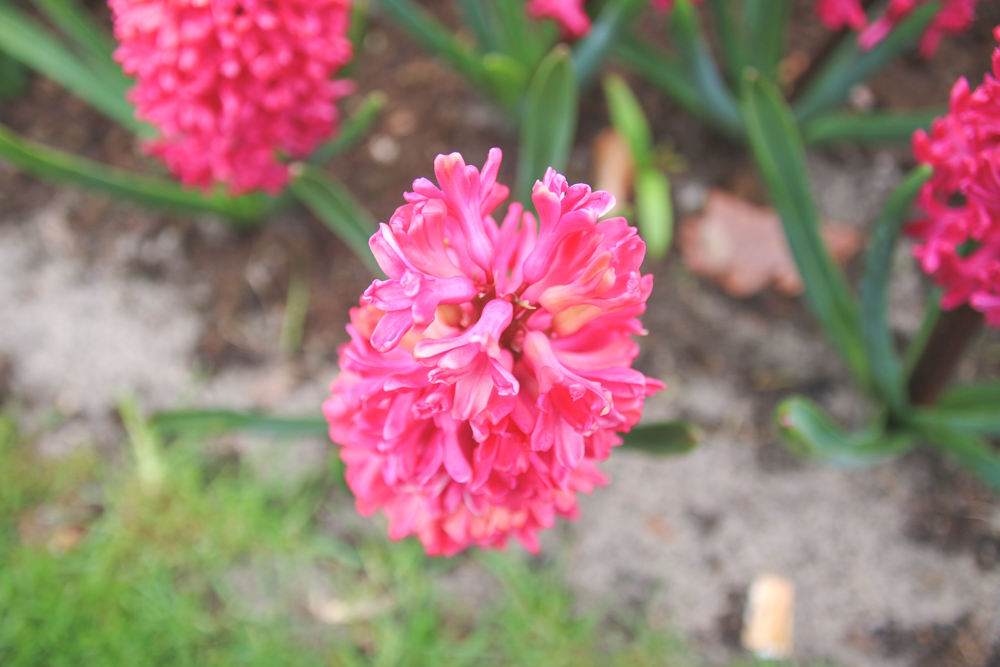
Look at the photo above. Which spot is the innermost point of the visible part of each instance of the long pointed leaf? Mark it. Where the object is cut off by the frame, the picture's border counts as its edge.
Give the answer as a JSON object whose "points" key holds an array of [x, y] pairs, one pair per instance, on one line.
{"points": [[654, 210], [663, 439], [730, 26], [972, 408], [970, 451], [810, 433], [549, 122], [629, 120], [702, 71], [477, 17], [780, 157], [334, 205], [666, 73], [186, 422], [868, 128], [850, 65], [352, 130], [58, 166], [767, 21], [25, 40], [591, 52], [434, 37], [883, 358], [94, 43]]}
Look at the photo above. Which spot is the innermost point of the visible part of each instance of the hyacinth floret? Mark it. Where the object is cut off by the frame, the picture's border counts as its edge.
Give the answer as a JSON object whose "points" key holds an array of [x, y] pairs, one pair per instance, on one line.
{"points": [[959, 233], [490, 371], [233, 85], [571, 18]]}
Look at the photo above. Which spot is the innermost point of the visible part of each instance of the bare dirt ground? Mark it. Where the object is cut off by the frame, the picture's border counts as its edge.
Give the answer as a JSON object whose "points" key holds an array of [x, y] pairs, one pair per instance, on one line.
{"points": [[895, 564]]}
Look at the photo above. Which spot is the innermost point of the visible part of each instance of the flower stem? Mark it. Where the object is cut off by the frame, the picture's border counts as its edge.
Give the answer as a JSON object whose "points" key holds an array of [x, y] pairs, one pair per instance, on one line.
{"points": [[951, 335]]}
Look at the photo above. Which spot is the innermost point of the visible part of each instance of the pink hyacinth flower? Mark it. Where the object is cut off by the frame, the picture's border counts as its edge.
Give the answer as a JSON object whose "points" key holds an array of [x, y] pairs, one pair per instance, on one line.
{"points": [[491, 371], [953, 18], [571, 18], [959, 234], [232, 85]]}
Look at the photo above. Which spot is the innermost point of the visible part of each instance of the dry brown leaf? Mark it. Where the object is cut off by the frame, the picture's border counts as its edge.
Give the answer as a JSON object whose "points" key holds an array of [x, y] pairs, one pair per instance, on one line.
{"points": [[613, 166], [742, 247]]}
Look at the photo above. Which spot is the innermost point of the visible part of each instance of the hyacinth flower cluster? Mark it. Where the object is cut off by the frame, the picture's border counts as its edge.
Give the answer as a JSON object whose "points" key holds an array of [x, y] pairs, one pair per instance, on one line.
{"points": [[490, 372], [959, 233], [953, 18], [234, 85]]}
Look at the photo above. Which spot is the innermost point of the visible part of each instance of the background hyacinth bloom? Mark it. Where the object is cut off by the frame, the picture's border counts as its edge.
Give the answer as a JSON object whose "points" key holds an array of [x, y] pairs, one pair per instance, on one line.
{"points": [[233, 84], [953, 18], [959, 233], [570, 16], [485, 415]]}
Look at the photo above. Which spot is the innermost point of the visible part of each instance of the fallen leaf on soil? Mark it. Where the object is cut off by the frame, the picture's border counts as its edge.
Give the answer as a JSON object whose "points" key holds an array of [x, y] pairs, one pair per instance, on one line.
{"points": [[613, 166], [742, 247]]}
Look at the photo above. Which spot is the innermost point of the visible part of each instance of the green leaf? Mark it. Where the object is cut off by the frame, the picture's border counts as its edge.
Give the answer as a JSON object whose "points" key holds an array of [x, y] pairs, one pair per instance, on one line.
{"points": [[663, 438], [849, 65], [883, 358], [654, 210], [629, 120], [94, 43], [13, 78], [967, 449], [973, 408], [27, 41], [730, 26], [767, 21], [478, 17], [591, 52], [62, 167], [702, 72], [808, 432], [352, 130], [521, 37], [434, 37], [506, 79], [868, 128], [549, 121], [780, 156], [915, 347], [360, 11], [337, 208], [666, 73], [200, 422]]}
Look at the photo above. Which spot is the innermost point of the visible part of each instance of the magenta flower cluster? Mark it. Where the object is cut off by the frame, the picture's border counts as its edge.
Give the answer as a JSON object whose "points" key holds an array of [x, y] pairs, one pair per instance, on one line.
{"points": [[953, 18], [491, 371], [959, 235], [232, 85]]}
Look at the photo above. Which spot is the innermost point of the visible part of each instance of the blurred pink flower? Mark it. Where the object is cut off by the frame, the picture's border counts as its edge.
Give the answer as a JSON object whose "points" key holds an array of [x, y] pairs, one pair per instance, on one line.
{"points": [[572, 19], [491, 371], [953, 18], [837, 14], [960, 232], [232, 85]]}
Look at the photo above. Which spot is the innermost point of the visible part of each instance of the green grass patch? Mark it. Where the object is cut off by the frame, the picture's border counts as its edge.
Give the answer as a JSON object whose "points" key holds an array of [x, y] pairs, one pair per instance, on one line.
{"points": [[107, 566]]}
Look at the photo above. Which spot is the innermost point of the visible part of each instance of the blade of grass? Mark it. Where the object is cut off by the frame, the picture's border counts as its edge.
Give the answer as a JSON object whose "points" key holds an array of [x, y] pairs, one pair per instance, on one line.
{"points": [[883, 358], [62, 167], [780, 156]]}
